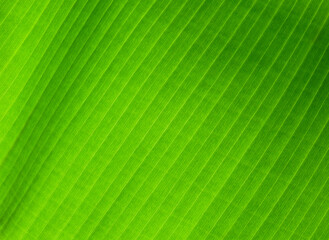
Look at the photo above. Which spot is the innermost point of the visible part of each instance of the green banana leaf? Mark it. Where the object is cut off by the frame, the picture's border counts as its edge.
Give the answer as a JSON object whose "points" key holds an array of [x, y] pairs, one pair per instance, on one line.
{"points": [[164, 119]]}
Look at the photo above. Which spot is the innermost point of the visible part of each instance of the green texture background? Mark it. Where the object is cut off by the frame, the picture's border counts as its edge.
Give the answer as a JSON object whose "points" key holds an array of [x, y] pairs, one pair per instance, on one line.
{"points": [[164, 119]]}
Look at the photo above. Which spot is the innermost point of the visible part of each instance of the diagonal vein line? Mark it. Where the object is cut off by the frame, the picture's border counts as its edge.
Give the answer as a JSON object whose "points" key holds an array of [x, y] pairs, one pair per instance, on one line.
{"points": [[304, 32], [290, 138], [317, 168], [43, 56], [29, 59], [127, 107], [192, 137], [21, 43], [301, 194], [15, 28], [10, 10], [279, 154], [127, 156], [157, 119], [190, 163], [7, 156], [319, 134], [316, 213], [166, 128], [307, 184], [268, 118], [292, 176], [73, 213], [30, 116], [41, 36], [241, 187], [37, 141], [322, 221], [59, 121]]}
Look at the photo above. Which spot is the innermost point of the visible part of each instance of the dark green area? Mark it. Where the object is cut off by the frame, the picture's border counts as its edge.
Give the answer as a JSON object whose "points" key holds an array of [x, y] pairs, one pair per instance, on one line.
{"points": [[157, 119]]}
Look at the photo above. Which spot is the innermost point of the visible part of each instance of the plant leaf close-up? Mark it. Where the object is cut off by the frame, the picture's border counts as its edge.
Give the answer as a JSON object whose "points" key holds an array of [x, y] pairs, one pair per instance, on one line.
{"points": [[164, 119]]}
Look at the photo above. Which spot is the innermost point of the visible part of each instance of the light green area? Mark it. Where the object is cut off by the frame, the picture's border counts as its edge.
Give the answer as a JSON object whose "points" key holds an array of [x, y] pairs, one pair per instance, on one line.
{"points": [[164, 119]]}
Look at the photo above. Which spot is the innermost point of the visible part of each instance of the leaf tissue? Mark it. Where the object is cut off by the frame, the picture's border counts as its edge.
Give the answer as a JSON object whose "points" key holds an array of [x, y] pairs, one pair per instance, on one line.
{"points": [[164, 119]]}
